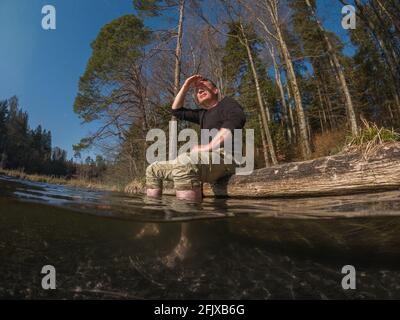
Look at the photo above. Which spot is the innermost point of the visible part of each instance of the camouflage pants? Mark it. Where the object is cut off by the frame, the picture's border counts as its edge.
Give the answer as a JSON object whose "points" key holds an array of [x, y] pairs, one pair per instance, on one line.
{"points": [[188, 173]]}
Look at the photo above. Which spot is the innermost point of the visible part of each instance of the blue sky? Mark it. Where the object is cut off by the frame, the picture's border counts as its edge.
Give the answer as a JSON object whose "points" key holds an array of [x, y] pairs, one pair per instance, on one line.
{"points": [[43, 67]]}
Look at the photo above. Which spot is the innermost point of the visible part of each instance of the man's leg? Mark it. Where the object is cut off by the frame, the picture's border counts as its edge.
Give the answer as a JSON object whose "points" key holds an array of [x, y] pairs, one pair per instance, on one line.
{"points": [[154, 193], [195, 194], [182, 171], [212, 171], [186, 178], [155, 174]]}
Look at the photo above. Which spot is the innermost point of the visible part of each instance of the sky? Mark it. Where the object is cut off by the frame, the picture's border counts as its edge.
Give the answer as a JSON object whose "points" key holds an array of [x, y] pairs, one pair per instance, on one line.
{"points": [[42, 67]]}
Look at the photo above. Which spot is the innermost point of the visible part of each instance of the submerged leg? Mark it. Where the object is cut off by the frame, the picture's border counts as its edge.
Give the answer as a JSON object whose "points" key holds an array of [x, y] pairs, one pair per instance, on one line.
{"points": [[186, 179], [153, 193], [156, 173], [194, 194]]}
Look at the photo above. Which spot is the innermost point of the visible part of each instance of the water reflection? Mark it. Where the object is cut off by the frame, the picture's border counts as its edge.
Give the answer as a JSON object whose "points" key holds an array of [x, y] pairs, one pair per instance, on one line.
{"points": [[168, 208], [108, 245]]}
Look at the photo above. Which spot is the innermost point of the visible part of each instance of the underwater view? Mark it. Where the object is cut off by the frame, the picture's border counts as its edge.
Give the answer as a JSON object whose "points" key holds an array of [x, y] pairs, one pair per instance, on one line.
{"points": [[106, 245]]}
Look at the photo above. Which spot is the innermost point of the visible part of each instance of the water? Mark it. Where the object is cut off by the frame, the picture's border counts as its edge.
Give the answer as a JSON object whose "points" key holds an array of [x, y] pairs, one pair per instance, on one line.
{"points": [[111, 246]]}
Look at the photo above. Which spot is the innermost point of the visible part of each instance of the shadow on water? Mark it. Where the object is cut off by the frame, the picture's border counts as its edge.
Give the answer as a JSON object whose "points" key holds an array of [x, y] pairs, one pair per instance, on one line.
{"points": [[109, 245]]}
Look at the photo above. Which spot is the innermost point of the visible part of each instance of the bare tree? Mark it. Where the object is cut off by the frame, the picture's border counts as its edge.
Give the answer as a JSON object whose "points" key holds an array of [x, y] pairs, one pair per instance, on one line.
{"points": [[340, 72], [244, 40], [270, 9], [233, 13], [178, 50]]}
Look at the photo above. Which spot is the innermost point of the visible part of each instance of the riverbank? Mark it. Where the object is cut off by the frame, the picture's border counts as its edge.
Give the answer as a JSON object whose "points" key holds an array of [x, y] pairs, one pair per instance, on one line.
{"points": [[370, 166], [77, 183]]}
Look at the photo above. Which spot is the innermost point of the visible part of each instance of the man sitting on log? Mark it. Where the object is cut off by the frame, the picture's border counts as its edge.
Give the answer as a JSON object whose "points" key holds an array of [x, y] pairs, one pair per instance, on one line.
{"points": [[187, 173]]}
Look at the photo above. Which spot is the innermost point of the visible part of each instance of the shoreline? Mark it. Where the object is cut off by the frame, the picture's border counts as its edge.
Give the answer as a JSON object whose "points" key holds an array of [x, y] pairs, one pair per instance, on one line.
{"points": [[78, 183]]}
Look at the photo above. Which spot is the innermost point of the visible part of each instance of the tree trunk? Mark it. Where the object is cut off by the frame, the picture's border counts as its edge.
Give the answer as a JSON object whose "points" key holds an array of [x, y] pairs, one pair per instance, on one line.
{"points": [[177, 75], [321, 103], [320, 121], [259, 98], [303, 136], [342, 79], [264, 142], [334, 175], [342, 174], [390, 113], [178, 50], [291, 117], [325, 95], [282, 93]]}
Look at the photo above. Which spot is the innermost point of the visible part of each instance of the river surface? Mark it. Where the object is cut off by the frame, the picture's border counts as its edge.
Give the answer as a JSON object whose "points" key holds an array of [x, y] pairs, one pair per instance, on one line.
{"points": [[107, 245]]}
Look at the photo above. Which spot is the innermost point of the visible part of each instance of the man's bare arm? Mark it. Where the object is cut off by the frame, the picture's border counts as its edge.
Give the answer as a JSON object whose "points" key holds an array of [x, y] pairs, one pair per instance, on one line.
{"points": [[216, 142], [180, 97]]}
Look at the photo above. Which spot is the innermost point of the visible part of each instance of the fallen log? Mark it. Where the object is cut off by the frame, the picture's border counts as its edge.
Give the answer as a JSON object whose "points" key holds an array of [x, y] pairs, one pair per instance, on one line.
{"points": [[347, 173], [351, 172]]}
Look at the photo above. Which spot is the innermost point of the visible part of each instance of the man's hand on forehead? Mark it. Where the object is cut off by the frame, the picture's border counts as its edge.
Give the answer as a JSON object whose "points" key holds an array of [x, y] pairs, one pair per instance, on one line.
{"points": [[202, 84]]}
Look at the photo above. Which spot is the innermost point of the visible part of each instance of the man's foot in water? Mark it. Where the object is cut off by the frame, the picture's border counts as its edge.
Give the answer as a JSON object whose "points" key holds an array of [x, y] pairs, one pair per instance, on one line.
{"points": [[153, 193], [194, 195], [178, 254], [150, 229]]}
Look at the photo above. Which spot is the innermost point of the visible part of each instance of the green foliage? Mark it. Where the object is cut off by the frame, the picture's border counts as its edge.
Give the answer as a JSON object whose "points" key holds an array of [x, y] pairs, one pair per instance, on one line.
{"points": [[121, 45], [371, 75], [83, 144], [27, 149], [112, 78], [373, 135], [118, 45], [152, 8], [370, 138], [235, 60], [3, 128]]}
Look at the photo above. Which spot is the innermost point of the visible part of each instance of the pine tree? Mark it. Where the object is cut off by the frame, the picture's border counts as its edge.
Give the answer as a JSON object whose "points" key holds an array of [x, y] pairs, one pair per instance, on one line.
{"points": [[112, 89], [3, 131]]}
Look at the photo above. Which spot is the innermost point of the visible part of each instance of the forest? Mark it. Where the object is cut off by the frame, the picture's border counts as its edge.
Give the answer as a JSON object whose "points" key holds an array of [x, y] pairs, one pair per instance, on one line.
{"points": [[30, 150], [303, 93]]}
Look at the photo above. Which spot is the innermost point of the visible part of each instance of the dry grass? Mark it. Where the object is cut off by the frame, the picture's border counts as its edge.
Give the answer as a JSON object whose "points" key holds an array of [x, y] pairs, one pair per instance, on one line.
{"points": [[370, 139], [78, 183], [135, 187], [328, 143]]}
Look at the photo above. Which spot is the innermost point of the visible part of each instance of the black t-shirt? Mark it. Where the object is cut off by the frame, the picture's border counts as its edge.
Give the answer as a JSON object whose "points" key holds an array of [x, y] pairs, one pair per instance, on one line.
{"points": [[226, 114]]}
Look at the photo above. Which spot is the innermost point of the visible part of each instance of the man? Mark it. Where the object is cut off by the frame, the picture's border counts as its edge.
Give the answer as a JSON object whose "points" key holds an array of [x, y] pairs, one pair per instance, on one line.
{"points": [[224, 115]]}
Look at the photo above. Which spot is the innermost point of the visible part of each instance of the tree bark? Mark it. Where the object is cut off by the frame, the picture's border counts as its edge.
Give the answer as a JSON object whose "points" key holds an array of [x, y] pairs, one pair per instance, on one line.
{"points": [[334, 175], [178, 59], [291, 117], [178, 50], [342, 174], [264, 142], [321, 103]]}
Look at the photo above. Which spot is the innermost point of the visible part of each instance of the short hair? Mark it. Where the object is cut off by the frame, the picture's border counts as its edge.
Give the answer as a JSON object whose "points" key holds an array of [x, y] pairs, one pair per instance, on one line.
{"points": [[213, 84], [210, 81]]}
